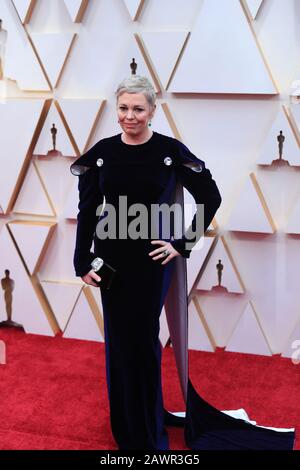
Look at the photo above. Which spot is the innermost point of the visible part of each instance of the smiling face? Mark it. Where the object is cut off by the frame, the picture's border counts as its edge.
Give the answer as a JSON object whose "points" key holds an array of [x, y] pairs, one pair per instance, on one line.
{"points": [[134, 113]]}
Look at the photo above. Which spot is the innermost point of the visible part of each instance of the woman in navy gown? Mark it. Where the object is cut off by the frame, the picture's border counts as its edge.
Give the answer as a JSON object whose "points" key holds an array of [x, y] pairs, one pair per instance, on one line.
{"points": [[147, 168]]}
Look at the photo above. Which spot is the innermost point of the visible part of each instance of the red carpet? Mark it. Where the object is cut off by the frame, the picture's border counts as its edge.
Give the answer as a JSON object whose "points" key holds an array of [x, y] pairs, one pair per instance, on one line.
{"points": [[53, 391]]}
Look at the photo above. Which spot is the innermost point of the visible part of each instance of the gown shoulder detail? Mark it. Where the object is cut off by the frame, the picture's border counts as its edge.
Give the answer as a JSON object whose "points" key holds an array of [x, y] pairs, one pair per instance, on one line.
{"points": [[93, 158], [184, 157]]}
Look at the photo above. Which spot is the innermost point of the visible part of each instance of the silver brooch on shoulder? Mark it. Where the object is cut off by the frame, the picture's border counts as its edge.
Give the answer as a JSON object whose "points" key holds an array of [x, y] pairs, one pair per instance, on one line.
{"points": [[168, 161]]}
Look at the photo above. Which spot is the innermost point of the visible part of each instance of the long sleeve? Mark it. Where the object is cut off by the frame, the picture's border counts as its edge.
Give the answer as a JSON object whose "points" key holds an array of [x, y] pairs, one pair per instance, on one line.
{"points": [[90, 197], [192, 174]]}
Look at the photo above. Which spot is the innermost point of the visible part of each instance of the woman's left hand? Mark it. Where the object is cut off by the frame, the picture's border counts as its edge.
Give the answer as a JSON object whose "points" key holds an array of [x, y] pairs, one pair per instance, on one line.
{"points": [[159, 252]]}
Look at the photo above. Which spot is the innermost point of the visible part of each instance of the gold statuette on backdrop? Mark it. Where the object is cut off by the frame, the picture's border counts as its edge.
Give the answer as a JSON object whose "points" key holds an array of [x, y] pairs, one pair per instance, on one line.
{"points": [[280, 161], [8, 285], [133, 67], [219, 287], [53, 152]]}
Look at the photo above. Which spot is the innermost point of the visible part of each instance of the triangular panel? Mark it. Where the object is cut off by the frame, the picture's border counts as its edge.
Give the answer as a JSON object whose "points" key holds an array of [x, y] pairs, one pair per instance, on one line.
{"points": [[290, 149], [230, 278], [133, 48], [134, 8], [222, 56], [219, 315], [26, 308], [294, 116], [254, 6], [248, 336], [24, 9], [31, 239], [161, 122], [71, 207], [164, 58], [62, 298], [45, 144], [251, 213], [197, 335], [197, 257], [27, 202], [25, 115], [76, 8], [57, 262], [53, 50], [73, 111], [57, 179], [82, 323], [26, 70]]}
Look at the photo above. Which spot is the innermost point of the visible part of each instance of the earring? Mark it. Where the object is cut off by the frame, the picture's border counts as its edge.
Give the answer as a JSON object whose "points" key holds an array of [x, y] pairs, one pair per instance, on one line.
{"points": [[149, 123]]}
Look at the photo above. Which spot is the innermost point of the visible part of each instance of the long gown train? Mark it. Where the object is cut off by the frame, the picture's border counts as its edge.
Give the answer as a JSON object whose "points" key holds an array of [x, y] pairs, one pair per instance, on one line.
{"points": [[133, 368]]}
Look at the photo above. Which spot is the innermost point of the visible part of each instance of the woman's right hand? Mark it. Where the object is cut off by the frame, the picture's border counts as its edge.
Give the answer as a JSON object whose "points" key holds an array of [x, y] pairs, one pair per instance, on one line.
{"points": [[88, 278]]}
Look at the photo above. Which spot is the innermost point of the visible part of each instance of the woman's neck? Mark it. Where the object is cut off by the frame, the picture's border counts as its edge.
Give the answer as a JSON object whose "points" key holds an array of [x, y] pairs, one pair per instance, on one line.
{"points": [[135, 140]]}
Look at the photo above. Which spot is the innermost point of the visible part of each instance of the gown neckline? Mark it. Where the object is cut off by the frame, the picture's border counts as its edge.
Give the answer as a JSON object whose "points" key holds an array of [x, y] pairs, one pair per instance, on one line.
{"points": [[136, 145]]}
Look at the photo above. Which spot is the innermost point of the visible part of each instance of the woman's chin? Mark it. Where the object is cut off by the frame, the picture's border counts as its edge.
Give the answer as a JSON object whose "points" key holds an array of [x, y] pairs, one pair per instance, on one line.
{"points": [[133, 131]]}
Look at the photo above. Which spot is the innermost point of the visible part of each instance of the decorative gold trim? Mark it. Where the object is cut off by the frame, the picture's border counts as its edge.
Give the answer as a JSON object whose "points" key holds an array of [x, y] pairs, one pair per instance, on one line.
{"points": [[44, 188], [46, 244], [27, 159], [147, 60], [72, 311], [204, 323], [45, 305], [258, 322], [51, 225], [37, 289], [193, 292], [100, 111], [291, 120], [55, 85], [65, 61], [263, 201], [139, 10], [214, 224], [178, 59], [225, 244], [250, 22], [81, 11], [40, 62], [170, 120], [68, 129], [78, 283], [28, 13], [260, 325], [248, 11]]}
